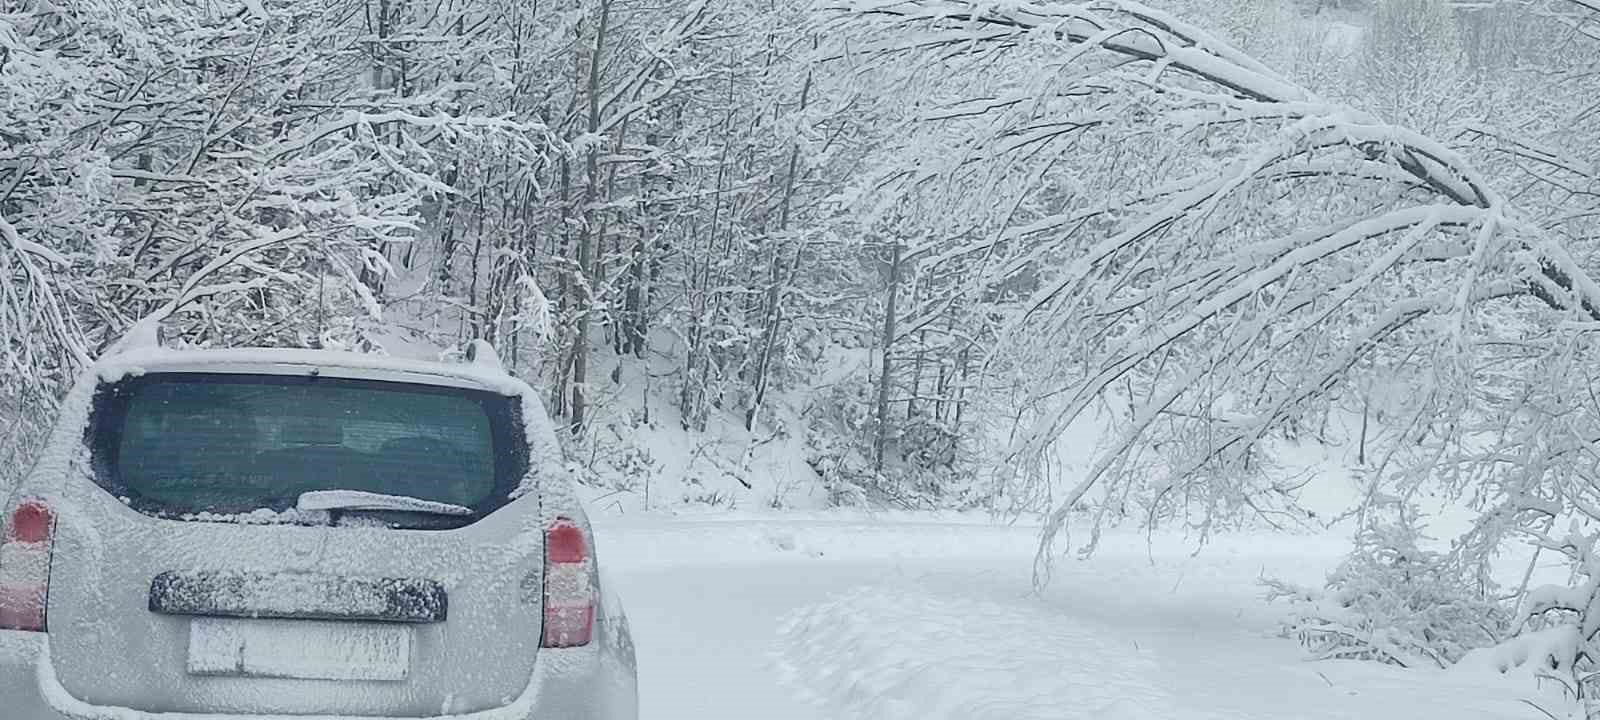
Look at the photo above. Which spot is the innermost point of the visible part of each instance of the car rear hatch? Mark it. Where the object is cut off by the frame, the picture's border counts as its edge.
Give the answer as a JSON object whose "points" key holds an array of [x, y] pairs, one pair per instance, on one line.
{"points": [[191, 578]]}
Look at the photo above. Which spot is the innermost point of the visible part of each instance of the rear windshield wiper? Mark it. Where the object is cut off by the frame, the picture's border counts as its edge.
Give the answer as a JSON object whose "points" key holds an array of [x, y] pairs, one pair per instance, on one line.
{"points": [[358, 500]]}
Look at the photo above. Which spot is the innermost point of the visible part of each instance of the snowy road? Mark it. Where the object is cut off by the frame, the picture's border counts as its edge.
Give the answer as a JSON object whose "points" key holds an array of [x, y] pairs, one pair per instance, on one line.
{"points": [[704, 636], [836, 620]]}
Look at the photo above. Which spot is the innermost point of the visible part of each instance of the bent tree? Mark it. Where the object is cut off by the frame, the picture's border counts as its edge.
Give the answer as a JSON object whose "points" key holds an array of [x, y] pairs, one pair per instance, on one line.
{"points": [[1215, 258]]}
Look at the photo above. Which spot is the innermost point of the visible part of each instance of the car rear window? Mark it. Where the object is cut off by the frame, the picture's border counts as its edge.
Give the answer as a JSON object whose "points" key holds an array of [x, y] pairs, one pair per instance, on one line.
{"points": [[186, 444]]}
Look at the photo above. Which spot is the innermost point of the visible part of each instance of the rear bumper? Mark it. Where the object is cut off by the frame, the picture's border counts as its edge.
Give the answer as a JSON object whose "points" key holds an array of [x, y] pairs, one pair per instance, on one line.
{"points": [[574, 684]]}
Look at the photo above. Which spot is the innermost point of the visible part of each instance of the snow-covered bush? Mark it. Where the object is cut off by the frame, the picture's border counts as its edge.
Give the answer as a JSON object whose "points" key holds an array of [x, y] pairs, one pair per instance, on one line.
{"points": [[926, 464], [1393, 601], [251, 177], [1544, 480], [615, 459], [929, 446], [1557, 625]]}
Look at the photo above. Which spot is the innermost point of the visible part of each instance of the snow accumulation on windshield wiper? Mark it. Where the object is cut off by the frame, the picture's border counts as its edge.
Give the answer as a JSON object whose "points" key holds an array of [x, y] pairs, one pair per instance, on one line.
{"points": [[359, 500]]}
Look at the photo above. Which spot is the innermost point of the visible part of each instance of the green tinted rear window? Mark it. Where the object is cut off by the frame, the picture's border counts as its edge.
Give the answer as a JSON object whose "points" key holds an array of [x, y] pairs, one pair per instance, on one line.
{"points": [[223, 443]]}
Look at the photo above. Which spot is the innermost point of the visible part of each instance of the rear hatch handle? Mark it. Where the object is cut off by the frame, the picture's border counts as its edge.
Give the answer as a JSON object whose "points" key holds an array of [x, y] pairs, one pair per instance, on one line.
{"points": [[298, 596]]}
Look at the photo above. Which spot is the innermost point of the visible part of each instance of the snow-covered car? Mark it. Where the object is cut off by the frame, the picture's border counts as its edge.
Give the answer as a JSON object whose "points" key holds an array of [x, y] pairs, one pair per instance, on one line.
{"points": [[219, 534]]}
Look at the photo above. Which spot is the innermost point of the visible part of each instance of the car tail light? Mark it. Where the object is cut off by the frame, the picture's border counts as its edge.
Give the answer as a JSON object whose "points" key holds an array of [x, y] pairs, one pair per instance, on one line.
{"points": [[25, 565], [569, 594]]}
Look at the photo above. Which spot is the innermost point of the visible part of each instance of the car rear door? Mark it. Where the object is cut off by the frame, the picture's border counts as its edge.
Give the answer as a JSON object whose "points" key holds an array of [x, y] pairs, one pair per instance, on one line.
{"points": [[278, 611], [307, 587]]}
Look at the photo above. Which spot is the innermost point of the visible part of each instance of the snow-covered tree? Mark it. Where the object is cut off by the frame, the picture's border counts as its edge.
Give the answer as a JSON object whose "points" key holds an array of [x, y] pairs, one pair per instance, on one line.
{"points": [[1413, 68], [1226, 281], [241, 174]]}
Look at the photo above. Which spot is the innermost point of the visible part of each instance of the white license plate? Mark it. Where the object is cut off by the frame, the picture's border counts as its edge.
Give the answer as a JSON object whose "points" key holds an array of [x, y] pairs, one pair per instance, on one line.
{"points": [[299, 649]]}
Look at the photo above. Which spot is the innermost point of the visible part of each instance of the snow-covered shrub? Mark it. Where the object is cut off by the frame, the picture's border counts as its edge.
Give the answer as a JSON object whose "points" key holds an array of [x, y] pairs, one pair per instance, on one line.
{"points": [[847, 474], [929, 445], [1395, 602], [1550, 420], [924, 464], [615, 456], [1557, 625], [837, 442], [696, 493]]}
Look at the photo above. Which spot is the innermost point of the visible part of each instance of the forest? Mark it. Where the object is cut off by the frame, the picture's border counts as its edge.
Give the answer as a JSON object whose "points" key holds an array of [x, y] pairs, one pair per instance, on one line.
{"points": [[922, 239]]}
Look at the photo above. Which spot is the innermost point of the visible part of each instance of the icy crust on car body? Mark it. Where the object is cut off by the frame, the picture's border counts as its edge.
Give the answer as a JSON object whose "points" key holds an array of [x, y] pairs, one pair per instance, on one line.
{"points": [[64, 453], [261, 516], [549, 665], [544, 456]]}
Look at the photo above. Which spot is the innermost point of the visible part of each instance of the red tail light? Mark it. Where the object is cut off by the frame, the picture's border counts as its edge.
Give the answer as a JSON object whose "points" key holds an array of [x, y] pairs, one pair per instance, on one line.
{"points": [[25, 566], [568, 586]]}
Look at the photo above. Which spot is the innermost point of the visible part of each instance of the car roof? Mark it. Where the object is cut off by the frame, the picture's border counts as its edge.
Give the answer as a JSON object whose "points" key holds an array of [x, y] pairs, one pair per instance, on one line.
{"points": [[324, 363]]}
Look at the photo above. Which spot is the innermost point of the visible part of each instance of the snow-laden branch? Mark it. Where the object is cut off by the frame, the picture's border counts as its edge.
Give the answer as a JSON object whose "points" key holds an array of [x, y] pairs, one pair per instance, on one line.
{"points": [[33, 300], [1144, 38], [23, 245], [1131, 29], [1304, 251], [1590, 5]]}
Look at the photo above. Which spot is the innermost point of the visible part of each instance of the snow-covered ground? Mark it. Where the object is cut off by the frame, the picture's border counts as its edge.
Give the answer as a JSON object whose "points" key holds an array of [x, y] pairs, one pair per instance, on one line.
{"points": [[822, 618]]}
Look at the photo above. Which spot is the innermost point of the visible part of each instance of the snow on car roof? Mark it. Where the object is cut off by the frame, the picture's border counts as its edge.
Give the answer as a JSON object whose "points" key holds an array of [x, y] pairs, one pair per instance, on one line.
{"points": [[328, 363]]}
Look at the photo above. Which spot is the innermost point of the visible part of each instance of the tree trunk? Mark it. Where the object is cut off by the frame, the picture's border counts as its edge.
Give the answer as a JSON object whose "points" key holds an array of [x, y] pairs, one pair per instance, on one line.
{"points": [[916, 374], [779, 280], [586, 236], [964, 370], [1361, 448], [558, 394], [705, 293], [475, 314], [599, 274], [886, 366]]}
